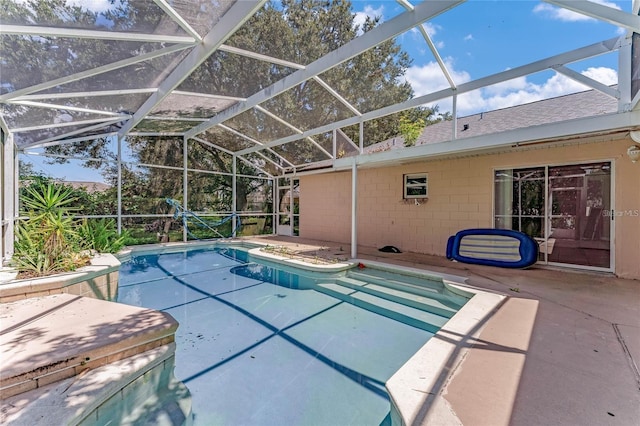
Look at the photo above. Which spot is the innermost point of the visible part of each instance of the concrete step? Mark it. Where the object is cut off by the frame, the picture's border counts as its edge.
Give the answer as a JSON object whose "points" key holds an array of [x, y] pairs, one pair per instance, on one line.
{"points": [[425, 303], [411, 284], [415, 317], [140, 389], [47, 339], [137, 390]]}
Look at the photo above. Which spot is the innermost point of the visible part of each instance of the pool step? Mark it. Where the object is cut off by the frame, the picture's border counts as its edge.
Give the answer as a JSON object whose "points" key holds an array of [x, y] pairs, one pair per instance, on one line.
{"points": [[425, 283], [137, 390], [411, 284], [51, 338], [426, 303], [409, 315]]}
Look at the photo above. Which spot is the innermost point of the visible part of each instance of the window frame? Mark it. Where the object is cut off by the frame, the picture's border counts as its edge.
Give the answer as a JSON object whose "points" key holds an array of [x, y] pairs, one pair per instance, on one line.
{"points": [[406, 185]]}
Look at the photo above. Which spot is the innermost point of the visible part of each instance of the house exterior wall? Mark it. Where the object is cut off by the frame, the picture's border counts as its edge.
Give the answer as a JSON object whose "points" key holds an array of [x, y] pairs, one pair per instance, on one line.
{"points": [[326, 207], [460, 197]]}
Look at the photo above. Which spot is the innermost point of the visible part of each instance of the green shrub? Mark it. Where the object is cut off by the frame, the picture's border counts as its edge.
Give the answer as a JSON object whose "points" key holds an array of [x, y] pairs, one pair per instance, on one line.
{"points": [[101, 235]]}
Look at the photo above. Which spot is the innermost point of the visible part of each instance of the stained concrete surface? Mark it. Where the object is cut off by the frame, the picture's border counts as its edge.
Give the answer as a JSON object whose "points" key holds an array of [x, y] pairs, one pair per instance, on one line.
{"points": [[572, 359]]}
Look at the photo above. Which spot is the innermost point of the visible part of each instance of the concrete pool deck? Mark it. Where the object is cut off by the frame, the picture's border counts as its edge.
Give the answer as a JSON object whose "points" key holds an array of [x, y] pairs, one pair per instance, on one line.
{"points": [[563, 349]]}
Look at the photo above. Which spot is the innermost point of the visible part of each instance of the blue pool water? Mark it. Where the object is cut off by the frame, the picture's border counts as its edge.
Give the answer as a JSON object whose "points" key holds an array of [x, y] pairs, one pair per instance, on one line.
{"points": [[260, 346]]}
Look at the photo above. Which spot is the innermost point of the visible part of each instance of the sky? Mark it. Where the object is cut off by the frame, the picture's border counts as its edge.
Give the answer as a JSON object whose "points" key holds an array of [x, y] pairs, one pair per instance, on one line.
{"points": [[475, 39], [484, 37]]}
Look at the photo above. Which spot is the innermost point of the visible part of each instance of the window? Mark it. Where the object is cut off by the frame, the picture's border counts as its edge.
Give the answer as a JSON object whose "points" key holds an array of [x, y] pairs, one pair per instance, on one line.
{"points": [[416, 185]]}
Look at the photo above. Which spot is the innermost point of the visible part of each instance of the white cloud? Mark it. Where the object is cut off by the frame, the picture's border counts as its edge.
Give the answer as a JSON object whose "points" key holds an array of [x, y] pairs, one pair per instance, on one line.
{"points": [[429, 78], [468, 37], [520, 91], [604, 75], [566, 15], [499, 89], [368, 12]]}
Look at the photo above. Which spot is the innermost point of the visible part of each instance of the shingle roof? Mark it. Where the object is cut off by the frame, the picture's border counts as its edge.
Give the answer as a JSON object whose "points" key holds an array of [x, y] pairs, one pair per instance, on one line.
{"points": [[568, 107], [584, 104], [589, 103]]}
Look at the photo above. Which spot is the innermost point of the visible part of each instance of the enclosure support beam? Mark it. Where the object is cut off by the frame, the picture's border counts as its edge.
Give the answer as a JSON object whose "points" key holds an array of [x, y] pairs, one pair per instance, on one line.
{"points": [[334, 138], [389, 29], [276, 206], [532, 68], [185, 200], [354, 208], [234, 203], [600, 12], [454, 122], [119, 185], [93, 71], [588, 81], [9, 189], [625, 74], [233, 19]]}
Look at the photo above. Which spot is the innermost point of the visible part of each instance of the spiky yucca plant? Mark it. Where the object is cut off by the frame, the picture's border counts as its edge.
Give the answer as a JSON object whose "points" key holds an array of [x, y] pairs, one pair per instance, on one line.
{"points": [[47, 242], [101, 235]]}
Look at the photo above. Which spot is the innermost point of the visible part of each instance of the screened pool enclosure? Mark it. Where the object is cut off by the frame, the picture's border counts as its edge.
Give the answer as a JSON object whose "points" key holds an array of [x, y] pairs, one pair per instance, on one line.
{"points": [[221, 105]]}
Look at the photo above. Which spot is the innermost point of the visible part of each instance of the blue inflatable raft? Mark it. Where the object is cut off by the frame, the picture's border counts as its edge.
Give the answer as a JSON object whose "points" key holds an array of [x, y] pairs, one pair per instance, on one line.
{"points": [[493, 247]]}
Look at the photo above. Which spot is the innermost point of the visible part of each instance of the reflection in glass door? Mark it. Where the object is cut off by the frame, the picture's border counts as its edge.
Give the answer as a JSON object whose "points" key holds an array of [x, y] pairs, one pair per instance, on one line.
{"points": [[564, 208], [579, 228], [520, 203]]}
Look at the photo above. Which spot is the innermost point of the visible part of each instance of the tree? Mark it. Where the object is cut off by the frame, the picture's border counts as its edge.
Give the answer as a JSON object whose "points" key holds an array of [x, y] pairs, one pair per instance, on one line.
{"points": [[297, 31]]}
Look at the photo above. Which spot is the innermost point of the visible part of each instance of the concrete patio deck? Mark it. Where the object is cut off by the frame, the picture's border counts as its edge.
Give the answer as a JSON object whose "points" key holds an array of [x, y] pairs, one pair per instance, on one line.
{"points": [[563, 349]]}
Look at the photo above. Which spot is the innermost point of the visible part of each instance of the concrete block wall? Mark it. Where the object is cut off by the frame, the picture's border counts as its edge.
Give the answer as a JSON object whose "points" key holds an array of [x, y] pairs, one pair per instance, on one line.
{"points": [[460, 197], [327, 207]]}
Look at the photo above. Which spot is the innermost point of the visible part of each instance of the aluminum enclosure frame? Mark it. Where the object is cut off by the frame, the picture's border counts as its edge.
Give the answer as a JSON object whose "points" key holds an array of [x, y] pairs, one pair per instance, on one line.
{"points": [[202, 47]]}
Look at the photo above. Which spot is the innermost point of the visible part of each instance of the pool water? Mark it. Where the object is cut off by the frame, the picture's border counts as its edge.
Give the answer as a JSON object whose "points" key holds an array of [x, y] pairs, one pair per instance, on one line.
{"points": [[260, 346]]}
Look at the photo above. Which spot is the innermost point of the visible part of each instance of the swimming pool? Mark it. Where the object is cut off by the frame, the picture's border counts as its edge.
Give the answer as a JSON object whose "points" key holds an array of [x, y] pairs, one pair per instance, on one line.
{"points": [[263, 346]]}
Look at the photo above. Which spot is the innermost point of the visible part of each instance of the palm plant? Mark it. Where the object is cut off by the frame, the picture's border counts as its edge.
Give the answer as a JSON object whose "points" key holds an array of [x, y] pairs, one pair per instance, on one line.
{"points": [[47, 241]]}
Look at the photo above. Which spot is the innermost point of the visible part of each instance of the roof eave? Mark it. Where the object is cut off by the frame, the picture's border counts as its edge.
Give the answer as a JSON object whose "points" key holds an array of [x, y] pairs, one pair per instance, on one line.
{"points": [[546, 133]]}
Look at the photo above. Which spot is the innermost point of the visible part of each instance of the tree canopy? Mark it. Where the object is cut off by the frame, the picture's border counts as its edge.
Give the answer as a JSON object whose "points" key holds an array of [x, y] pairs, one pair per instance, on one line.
{"points": [[296, 31]]}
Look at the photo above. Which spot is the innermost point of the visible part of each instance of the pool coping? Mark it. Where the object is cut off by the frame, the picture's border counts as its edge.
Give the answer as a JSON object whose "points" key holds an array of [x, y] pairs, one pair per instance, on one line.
{"points": [[255, 249], [162, 248], [98, 280], [417, 388], [58, 401], [300, 263]]}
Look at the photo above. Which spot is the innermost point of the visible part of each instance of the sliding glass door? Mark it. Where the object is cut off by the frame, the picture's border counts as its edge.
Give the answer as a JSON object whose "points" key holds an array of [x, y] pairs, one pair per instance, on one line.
{"points": [[565, 208]]}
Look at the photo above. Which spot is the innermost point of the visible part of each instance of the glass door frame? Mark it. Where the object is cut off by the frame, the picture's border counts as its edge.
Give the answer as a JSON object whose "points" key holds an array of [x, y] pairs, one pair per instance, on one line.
{"points": [[287, 218], [548, 209]]}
